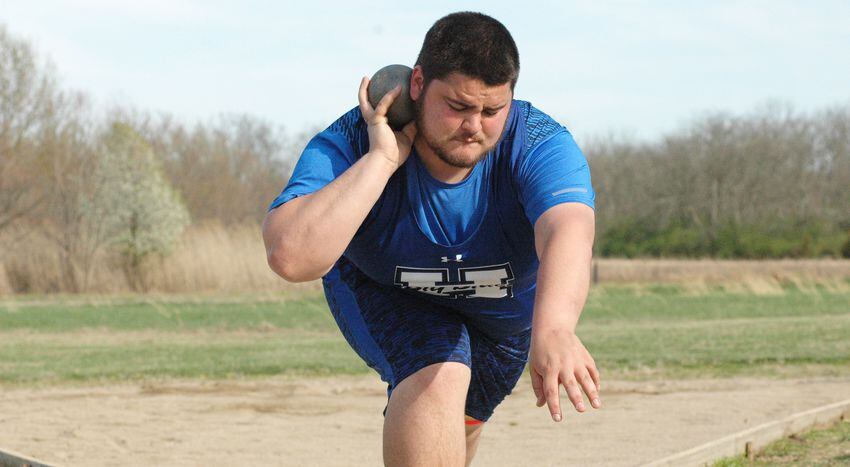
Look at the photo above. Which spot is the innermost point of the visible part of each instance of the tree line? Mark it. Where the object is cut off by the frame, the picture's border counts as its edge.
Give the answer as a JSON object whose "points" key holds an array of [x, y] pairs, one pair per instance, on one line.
{"points": [[126, 183], [121, 184], [772, 183]]}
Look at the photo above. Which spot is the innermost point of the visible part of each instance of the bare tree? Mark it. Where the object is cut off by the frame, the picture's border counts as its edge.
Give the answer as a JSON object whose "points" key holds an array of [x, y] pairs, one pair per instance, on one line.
{"points": [[228, 170], [28, 98], [771, 174], [69, 186]]}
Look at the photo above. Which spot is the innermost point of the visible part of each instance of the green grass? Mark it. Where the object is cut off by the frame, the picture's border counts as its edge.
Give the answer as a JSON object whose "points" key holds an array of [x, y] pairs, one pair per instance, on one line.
{"points": [[309, 314], [645, 332], [821, 447], [639, 332], [124, 356]]}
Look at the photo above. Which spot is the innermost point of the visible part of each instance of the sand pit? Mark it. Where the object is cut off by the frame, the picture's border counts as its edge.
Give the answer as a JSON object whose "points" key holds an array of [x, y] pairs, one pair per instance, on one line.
{"points": [[337, 421]]}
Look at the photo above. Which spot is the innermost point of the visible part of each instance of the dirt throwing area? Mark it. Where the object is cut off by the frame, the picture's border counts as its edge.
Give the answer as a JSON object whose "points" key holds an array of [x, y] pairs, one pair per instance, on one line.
{"points": [[337, 421]]}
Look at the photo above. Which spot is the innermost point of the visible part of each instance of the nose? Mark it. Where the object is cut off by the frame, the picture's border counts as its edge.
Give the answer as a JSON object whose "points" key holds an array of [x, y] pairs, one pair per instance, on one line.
{"points": [[472, 124]]}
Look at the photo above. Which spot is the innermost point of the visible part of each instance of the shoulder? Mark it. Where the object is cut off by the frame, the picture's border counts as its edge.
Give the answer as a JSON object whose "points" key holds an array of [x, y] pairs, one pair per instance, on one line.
{"points": [[348, 130], [529, 132], [531, 126]]}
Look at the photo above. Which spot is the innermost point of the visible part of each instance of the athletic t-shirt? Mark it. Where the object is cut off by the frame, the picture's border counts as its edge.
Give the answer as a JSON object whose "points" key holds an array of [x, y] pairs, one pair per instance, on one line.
{"points": [[469, 246], [450, 211]]}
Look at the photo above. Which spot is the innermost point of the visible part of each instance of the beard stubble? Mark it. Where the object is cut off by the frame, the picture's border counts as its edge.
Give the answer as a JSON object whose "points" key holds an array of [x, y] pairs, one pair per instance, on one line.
{"points": [[434, 144]]}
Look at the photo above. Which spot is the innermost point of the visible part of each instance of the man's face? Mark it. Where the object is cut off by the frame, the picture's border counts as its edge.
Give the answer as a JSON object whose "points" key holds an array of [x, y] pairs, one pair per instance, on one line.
{"points": [[460, 118]]}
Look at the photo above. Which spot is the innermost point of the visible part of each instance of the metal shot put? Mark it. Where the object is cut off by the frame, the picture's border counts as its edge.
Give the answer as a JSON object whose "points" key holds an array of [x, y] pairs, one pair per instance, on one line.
{"points": [[385, 80]]}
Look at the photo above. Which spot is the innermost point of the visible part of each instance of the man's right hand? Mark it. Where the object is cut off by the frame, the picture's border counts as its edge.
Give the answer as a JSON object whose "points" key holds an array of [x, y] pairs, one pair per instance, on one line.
{"points": [[394, 146]]}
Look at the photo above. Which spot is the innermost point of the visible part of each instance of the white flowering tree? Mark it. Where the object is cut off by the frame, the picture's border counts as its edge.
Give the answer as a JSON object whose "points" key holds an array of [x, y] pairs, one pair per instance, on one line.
{"points": [[138, 212]]}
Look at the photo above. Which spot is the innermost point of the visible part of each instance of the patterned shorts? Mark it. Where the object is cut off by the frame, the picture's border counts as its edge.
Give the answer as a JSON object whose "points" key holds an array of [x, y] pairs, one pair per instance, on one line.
{"points": [[398, 333]]}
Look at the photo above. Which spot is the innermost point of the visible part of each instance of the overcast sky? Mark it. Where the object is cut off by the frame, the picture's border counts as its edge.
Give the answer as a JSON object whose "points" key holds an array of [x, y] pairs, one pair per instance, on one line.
{"points": [[637, 68]]}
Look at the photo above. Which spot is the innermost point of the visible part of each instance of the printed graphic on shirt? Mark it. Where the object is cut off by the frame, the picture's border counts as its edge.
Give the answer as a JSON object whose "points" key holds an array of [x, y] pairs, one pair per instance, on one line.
{"points": [[494, 281]]}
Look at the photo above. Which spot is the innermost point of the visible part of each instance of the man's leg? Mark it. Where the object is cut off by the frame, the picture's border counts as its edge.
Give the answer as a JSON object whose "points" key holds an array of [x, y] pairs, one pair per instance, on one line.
{"points": [[473, 434], [497, 364], [424, 423]]}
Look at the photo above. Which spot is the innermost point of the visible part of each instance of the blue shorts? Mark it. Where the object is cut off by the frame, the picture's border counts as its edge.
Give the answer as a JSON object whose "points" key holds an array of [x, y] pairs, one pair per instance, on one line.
{"points": [[398, 333]]}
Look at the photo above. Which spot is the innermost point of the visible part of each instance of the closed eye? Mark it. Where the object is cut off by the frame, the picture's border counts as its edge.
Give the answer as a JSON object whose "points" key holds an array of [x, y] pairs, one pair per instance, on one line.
{"points": [[460, 107], [487, 112]]}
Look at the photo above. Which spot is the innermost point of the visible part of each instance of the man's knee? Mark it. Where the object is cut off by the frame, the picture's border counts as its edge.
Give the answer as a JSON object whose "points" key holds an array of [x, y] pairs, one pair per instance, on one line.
{"points": [[448, 381]]}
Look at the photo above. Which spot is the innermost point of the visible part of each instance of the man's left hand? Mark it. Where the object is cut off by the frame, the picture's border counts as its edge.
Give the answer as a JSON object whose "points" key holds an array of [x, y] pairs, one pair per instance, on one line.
{"points": [[558, 357]]}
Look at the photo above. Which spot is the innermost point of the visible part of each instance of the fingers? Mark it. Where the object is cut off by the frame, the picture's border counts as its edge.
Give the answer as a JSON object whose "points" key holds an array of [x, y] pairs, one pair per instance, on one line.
{"points": [[554, 364], [537, 385], [573, 392], [575, 384], [594, 374], [363, 96], [590, 388], [380, 111], [550, 392], [386, 101]]}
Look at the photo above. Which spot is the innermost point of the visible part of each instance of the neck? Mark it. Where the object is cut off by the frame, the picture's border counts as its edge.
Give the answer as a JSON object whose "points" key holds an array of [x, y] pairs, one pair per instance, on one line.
{"points": [[436, 167]]}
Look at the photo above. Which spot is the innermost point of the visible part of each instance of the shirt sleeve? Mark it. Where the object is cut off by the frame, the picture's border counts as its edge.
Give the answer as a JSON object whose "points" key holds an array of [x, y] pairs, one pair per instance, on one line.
{"points": [[326, 157], [554, 172]]}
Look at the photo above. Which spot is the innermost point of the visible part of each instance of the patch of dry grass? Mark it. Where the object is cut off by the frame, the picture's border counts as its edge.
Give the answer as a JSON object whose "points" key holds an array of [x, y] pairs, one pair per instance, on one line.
{"points": [[232, 260], [761, 277], [206, 259]]}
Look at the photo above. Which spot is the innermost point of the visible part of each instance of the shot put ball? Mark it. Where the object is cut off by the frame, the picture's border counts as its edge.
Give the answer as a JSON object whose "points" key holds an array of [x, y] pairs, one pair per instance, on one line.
{"points": [[401, 111]]}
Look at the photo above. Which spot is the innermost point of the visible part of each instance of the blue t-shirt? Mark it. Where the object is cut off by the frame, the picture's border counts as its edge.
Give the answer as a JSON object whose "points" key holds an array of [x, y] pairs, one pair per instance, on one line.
{"points": [[450, 211], [468, 245]]}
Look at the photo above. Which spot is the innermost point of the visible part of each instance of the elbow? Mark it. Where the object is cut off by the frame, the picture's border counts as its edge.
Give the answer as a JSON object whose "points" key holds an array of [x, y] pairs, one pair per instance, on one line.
{"points": [[289, 268]]}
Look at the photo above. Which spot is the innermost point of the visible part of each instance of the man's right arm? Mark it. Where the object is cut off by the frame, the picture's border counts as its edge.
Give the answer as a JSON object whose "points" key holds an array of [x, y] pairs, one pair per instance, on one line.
{"points": [[305, 236]]}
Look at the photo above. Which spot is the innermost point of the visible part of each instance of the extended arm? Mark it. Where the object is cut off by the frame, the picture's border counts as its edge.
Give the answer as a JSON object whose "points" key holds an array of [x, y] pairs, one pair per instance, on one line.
{"points": [[564, 240], [305, 236]]}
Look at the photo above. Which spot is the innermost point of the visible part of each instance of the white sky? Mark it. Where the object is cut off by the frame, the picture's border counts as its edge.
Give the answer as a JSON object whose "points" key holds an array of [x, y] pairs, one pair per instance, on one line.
{"points": [[639, 68]]}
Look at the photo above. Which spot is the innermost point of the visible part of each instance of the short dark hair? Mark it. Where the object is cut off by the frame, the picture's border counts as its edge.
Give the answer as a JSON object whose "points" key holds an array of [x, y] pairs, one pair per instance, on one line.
{"points": [[473, 44]]}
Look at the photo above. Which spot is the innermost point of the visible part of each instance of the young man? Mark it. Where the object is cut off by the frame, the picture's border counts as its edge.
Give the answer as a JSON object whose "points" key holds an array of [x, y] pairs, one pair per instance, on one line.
{"points": [[451, 249]]}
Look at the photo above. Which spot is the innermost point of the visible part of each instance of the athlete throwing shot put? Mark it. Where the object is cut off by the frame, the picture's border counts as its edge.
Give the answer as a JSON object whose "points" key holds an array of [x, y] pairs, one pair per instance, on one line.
{"points": [[452, 251]]}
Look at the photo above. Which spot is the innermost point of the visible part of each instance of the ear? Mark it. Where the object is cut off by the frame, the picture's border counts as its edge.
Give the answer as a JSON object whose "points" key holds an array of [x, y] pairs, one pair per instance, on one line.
{"points": [[417, 83]]}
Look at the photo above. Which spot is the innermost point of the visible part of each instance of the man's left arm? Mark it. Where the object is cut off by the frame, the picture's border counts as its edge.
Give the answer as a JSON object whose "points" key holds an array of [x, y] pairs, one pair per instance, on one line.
{"points": [[564, 240]]}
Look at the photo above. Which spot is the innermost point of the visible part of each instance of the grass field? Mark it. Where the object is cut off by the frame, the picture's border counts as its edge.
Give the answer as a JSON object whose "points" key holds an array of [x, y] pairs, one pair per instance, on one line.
{"points": [[825, 446], [633, 332]]}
